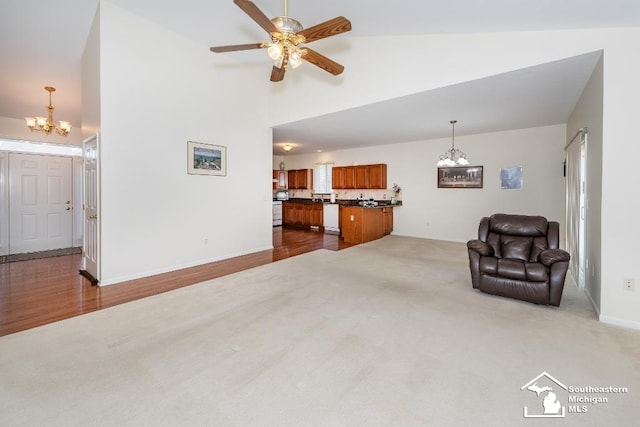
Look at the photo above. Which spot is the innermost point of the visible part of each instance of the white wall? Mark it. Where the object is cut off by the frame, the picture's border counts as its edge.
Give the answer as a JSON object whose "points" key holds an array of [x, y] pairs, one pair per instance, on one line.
{"points": [[588, 113], [620, 201], [91, 80], [158, 91], [454, 214]]}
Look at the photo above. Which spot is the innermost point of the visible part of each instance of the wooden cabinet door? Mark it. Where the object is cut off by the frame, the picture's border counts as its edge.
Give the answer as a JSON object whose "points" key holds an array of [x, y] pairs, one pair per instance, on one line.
{"points": [[377, 176], [387, 216], [305, 213], [361, 177], [316, 215], [291, 180], [287, 213], [300, 179], [350, 177], [282, 178], [337, 178]]}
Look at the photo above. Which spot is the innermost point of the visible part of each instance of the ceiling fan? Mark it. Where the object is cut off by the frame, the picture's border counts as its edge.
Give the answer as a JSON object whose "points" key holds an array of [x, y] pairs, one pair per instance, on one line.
{"points": [[287, 37]]}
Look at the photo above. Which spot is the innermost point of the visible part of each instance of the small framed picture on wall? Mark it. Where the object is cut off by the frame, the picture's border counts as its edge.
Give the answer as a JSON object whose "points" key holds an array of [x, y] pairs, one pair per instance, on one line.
{"points": [[206, 159]]}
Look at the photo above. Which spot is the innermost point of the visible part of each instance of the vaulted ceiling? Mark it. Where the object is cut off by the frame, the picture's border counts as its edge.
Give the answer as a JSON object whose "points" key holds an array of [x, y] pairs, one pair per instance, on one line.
{"points": [[41, 43]]}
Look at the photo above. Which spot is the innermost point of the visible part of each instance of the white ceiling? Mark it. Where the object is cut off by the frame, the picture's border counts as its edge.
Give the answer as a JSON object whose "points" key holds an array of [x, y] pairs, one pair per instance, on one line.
{"points": [[41, 43]]}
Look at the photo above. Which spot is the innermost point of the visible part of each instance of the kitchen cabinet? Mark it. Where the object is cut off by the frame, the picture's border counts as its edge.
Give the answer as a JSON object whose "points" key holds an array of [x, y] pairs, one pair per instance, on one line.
{"points": [[301, 214], [316, 215], [300, 179], [377, 176], [387, 220], [343, 177], [280, 180], [337, 177], [360, 177], [360, 225]]}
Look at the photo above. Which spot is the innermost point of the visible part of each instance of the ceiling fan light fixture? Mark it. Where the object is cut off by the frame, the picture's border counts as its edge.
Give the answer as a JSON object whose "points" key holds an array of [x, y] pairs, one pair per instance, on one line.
{"points": [[295, 57], [287, 25], [275, 51], [287, 147], [286, 34]]}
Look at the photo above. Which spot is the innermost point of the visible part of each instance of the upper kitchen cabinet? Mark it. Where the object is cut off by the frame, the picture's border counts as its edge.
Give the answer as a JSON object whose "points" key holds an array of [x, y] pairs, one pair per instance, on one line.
{"points": [[343, 177], [300, 179], [280, 180], [360, 177], [377, 176]]}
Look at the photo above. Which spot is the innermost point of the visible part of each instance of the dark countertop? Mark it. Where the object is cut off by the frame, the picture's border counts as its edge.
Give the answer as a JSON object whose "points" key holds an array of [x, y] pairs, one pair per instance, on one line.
{"points": [[350, 202]]}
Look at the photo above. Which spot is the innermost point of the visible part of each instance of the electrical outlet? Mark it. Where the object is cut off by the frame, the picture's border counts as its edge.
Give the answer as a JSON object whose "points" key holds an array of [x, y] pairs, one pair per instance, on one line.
{"points": [[629, 284]]}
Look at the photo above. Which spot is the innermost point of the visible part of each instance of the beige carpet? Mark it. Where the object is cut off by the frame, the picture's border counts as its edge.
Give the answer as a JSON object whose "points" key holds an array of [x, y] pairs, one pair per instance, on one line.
{"points": [[388, 333]]}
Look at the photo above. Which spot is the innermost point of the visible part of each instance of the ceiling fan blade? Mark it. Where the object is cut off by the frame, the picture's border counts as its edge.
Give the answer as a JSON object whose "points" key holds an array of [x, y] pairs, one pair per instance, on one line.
{"points": [[256, 14], [328, 28], [277, 74], [323, 62], [235, 47]]}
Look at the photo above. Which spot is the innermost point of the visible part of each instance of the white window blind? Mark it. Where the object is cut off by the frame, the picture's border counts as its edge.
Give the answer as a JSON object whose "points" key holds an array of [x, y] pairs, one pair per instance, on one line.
{"points": [[322, 178]]}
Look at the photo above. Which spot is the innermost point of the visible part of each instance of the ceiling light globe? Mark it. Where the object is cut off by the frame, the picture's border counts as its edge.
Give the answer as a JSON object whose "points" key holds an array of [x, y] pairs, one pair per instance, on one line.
{"points": [[275, 52]]}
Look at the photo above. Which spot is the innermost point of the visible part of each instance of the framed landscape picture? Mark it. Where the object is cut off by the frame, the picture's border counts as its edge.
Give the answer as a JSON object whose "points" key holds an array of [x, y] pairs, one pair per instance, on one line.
{"points": [[460, 177], [206, 159]]}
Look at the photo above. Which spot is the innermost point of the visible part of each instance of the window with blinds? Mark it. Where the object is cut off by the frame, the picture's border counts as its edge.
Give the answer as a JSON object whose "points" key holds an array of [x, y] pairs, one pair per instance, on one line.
{"points": [[322, 178]]}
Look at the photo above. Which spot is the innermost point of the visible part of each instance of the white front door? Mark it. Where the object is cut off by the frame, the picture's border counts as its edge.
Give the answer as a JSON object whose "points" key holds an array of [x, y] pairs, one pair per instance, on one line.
{"points": [[91, 185], [40, 202]]}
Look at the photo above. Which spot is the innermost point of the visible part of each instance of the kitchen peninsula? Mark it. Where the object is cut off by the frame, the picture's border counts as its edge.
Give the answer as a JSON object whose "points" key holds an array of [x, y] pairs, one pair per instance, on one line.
{"points": [[357, 223]]}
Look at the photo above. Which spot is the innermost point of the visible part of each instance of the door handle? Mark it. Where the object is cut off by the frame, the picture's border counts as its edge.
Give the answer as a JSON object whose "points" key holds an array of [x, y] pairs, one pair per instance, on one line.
{"points": [[68, 202], [94, 216], [68, 208]]}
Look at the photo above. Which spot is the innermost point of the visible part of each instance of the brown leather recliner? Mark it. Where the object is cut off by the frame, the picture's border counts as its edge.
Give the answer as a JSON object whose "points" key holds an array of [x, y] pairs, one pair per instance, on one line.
{"points": [[517, 256]]}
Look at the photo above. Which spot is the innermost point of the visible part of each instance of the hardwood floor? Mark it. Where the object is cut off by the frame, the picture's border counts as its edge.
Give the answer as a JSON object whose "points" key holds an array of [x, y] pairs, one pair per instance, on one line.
{"points": [[41, 291]]}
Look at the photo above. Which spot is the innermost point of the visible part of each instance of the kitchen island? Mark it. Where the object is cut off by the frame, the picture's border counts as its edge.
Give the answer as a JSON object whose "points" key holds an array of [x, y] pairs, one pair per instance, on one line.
{"points": [[359, 224]]}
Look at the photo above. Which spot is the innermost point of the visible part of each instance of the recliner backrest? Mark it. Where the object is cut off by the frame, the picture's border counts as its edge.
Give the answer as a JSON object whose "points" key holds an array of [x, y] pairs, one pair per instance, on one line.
{"points": [[518, 236]]}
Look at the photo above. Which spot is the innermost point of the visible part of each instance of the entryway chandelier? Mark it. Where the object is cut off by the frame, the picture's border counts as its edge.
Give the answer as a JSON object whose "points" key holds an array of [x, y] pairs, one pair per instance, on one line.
{"points": [[46, 124], [453, 156]]}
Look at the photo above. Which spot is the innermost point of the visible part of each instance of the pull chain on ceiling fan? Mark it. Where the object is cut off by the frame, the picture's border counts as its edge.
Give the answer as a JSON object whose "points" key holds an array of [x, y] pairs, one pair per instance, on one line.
{"points": [[287, 37]]}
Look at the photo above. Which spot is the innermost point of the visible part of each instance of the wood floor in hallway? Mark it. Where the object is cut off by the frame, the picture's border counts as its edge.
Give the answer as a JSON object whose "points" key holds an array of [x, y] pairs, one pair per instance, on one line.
{"points": [[41, 291]]}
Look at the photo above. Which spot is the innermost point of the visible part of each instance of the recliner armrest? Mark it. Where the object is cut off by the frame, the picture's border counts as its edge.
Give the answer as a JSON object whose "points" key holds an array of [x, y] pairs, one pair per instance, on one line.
{"points": [[551, 256], [481, 247]]}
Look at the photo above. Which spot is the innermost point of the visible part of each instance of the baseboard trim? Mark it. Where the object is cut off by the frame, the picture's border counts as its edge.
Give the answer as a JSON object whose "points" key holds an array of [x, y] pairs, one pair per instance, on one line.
{"points": [[619, 322]]}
